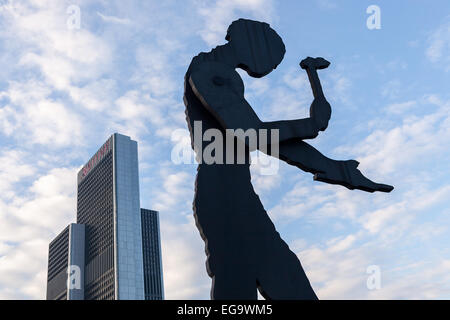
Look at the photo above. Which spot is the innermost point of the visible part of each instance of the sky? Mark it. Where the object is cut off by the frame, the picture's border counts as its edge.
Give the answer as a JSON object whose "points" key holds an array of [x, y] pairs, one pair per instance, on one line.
{"points": [[67, 84]]}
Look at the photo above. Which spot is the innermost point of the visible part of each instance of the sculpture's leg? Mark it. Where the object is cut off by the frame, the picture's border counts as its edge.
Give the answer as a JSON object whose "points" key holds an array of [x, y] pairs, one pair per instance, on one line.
{"points": [[302, 155], [280, 273], [232, 280]]}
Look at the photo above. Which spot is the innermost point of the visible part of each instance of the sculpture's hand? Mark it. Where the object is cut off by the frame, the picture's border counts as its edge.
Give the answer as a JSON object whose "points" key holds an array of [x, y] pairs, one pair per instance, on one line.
{"points": [[320, 111], [349, 176]]}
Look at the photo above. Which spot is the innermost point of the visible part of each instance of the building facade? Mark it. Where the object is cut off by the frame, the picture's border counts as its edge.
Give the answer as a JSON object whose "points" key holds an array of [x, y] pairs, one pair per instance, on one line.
{"points": [[65, 278], [108, 206], [151, 244], [58, 262]]}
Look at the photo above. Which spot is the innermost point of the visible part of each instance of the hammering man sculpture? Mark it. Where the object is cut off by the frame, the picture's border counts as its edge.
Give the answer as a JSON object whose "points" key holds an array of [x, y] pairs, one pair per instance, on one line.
{"points": [[244, 251]]}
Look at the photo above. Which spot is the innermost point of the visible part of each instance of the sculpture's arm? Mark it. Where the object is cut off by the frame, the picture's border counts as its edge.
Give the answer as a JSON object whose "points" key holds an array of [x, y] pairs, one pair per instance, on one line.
{"points": [[221, 91], [320, 109], [345, 173]]}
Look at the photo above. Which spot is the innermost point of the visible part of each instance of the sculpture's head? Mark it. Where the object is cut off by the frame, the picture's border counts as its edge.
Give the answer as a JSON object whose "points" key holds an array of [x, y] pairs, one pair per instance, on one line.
{"points": [[258, 48]]}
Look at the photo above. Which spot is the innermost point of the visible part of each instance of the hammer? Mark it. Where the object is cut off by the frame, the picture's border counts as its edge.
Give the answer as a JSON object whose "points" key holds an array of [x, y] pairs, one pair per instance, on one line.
{"points": [[320, 109]]}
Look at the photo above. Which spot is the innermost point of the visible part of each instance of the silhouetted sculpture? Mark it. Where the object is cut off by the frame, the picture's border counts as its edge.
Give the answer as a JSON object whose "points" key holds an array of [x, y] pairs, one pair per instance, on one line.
{"points": [[244, 251]]}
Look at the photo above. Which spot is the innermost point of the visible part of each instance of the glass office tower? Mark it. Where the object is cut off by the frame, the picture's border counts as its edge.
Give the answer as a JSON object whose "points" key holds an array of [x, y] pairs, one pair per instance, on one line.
{"points": [[65, 278], [151, 244], [57, 266], [108, 204], [108, 207]]}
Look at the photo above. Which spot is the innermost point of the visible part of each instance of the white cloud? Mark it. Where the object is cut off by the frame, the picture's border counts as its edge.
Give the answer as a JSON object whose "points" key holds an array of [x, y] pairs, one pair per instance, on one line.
{"points": [[263, 183], [340, 244], [391, 89], [52, 60], [438, 50], [154, 69], [219, 16], [30, 219], [429, 281], [62, 55], [184, 260], [340, 89], [33, 117], [287, 104], [14, 169], [337, 270], [401, 108], [97, 95], [113, 19], [48, 201], [66, 88], [27, 280], [134, 111], [417, 137], [176, 191], [386, 225]]}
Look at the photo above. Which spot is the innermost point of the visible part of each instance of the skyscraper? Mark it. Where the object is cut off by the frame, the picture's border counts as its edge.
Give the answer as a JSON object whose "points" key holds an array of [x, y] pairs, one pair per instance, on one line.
{"points": [[108, 205], [151, 243], [65, 279]]}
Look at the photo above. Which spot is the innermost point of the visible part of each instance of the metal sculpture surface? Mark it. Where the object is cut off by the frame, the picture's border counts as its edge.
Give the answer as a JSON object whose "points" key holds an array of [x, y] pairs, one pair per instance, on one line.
{"points": [[244, 250]]}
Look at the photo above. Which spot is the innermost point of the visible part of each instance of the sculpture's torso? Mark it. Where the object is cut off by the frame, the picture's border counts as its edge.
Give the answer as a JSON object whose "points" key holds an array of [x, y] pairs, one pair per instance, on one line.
{"points": [[223, 191], [196, 112]]}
